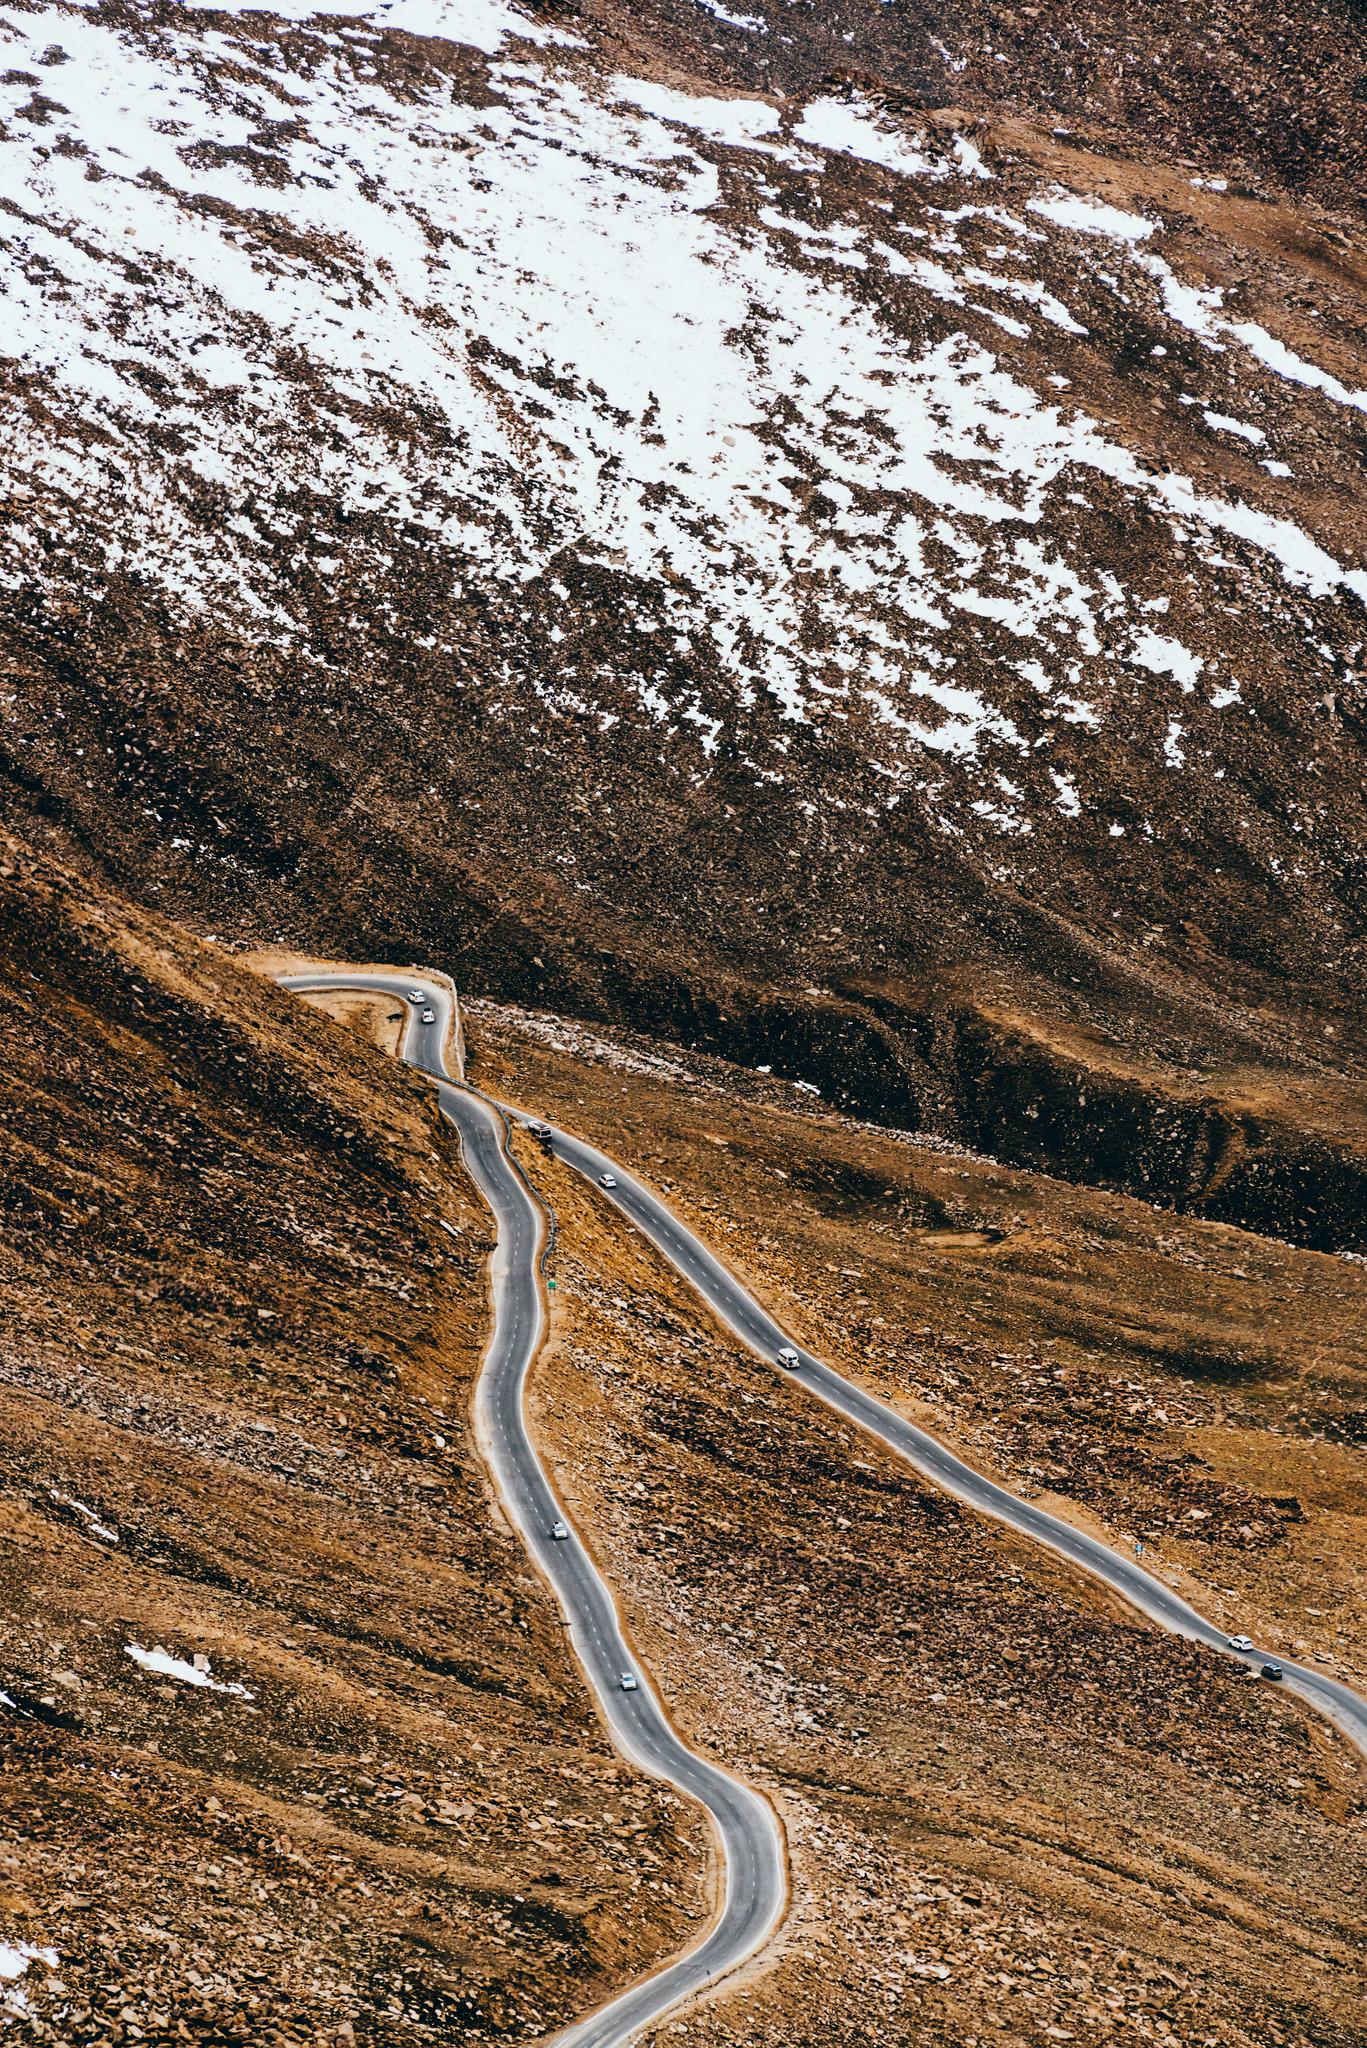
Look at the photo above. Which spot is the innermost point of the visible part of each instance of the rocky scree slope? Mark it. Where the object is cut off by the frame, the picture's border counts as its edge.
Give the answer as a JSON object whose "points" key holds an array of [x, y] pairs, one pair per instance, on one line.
{"points": [[744, 524]]}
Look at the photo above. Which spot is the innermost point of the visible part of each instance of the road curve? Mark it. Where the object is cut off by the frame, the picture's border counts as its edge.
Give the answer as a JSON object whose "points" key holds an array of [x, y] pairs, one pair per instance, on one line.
{"points": [[754, 1864], [743, 1315]]}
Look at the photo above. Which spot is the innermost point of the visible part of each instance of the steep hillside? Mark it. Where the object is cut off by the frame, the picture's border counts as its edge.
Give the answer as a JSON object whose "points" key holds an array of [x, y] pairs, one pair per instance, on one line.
{"points": [[292, 1749], [798, 528], [1016, 1812]]}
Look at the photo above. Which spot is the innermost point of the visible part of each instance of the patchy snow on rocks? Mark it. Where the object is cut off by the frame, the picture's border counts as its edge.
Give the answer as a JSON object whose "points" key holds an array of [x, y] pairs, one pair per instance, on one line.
{"points": [[194, 1672], [722, 351], [91, 1521], [16, 1960]]}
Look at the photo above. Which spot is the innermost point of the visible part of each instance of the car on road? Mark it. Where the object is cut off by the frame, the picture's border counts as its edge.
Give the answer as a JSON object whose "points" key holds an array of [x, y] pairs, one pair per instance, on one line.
{"points": [[559, 1532], [415, 995], [629, 1682], [788, 1357], [607, 1180], [1240, 1643], [1272, 1671], [429, 1016]]}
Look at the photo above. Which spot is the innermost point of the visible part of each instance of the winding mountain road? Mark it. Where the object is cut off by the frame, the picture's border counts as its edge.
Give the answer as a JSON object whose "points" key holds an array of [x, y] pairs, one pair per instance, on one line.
{"points": [[751, 1841], [753, 1860]]}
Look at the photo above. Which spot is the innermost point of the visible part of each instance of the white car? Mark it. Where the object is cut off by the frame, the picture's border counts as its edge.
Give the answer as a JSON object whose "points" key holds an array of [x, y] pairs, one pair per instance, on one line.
{"points": [[429, 1016], [415, 995], [789, 1358], [559, 1532], [607, 1180], [1241, 1642], [629, 1682]]}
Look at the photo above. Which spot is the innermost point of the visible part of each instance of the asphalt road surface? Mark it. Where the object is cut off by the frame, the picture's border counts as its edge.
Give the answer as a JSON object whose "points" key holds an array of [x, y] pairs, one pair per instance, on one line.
{"points": [[742, 1314], [753, 1862]]}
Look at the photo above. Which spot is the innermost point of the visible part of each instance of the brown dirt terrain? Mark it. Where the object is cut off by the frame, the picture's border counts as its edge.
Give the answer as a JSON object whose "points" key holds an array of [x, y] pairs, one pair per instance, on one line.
{"points": [[237, 1355], [1014, 1808]]}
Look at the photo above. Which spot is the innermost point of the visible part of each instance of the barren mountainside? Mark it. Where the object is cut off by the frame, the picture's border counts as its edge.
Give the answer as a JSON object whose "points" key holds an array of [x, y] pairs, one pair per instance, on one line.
{"points": [[823, 531]]}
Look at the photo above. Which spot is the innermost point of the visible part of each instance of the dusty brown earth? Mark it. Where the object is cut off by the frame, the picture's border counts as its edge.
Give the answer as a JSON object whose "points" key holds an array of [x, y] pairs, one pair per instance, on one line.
{"points": [[234, 1429], [1014, 1809], [237, 1353]]}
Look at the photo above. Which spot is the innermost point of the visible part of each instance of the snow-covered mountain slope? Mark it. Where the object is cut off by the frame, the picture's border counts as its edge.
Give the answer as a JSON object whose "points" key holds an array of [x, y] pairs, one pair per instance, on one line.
{"points": [[434, 405]]}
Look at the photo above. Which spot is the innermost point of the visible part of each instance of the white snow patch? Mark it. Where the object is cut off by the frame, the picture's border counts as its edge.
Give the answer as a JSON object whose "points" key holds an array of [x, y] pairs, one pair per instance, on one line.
{"points": [[1091, 216], [1030, 289], [88, 1515], [739, 122], [15, 1958], [1223, 424], [848, 129], [1164, 657], [167, 1666], [1172, 745], [1286, 363], [754, 22], [1067, 799], [480, 24]]}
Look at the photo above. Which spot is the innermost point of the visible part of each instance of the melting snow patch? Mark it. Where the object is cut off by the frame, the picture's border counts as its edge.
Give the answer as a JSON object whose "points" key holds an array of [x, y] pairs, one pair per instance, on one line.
{"points": [[1172, 745], [1279, 358], [850, 130], [734, 121], [754, 22], [1164, 657], [645, 346], [1225, 425], [88, 1515], [15, 1960], [16, 1957], [1091, 216], [197, 1673], [481, 24]]}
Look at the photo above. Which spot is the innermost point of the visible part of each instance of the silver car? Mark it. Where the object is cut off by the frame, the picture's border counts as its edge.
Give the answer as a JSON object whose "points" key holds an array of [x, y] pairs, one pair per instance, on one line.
{"points": [[429, 1016], [629, 1682], [789, 1358], [559, 1532], [607, 1180]]}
